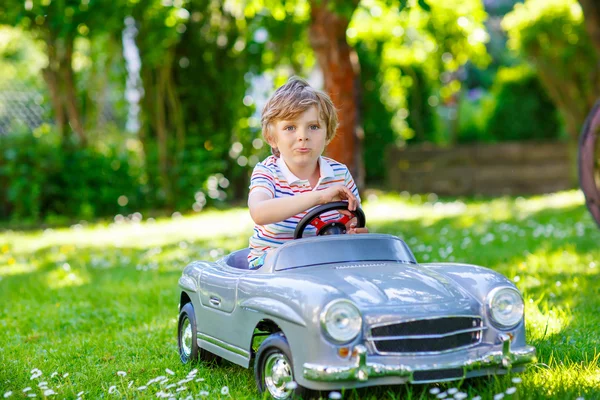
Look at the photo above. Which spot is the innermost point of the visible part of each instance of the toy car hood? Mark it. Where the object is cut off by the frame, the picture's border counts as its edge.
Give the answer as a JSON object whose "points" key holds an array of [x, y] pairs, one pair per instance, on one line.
{"points": [[383, 283]]}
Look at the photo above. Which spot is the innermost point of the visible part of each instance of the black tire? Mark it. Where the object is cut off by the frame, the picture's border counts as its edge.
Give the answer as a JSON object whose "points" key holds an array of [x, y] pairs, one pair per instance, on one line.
{"points": [[189, 351], [277, 347]]}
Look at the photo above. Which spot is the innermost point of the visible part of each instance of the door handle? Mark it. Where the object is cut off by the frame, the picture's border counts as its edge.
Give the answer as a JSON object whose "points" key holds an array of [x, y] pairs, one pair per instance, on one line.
{"points": [[215, 301]]}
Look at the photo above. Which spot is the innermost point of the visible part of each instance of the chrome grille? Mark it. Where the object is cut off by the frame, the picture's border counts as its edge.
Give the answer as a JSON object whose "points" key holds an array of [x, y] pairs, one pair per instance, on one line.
{"points": [[427, 335]]}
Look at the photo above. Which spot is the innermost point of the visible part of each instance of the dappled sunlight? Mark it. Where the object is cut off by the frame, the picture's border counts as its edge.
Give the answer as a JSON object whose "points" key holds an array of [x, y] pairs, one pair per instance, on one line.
{"points": [[386, 209], [545, 322], [135, 233], [562, 260], [557, 201], [64, 276], [430, 209], [584, 376], [12, 267]]}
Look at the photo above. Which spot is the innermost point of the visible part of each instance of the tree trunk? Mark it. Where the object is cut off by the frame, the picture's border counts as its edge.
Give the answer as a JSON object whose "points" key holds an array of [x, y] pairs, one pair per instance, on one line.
{"points": [[591, 13], [70, 95], [161, 132], [52, 79], [59, 77], [339, 64]]}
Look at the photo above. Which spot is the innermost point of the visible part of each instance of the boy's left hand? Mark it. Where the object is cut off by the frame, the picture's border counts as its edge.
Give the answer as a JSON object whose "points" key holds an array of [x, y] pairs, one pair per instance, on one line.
{"points": [[351, 228]]}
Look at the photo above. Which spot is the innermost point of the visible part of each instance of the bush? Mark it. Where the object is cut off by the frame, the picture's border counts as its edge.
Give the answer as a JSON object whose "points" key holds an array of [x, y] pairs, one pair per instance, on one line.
{"points": [[41, 178], [521, 109], [473, 113]]}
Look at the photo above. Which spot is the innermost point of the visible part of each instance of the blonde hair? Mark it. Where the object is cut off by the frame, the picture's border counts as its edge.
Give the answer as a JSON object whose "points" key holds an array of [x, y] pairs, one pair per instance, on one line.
{"points": [[291, 100]]}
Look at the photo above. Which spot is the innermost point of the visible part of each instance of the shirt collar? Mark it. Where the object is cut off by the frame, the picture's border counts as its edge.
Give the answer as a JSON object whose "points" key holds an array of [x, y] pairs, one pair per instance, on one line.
{"points": [[325, 170]]}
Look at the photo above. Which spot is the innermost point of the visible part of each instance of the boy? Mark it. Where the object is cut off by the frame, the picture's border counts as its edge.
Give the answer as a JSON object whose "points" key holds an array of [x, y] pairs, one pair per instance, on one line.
{"points": [[297, 122]]}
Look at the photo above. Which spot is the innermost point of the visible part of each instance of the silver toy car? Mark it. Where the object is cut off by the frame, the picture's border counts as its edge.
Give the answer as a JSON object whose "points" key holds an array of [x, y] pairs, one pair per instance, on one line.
{"points": [[348, 311]]}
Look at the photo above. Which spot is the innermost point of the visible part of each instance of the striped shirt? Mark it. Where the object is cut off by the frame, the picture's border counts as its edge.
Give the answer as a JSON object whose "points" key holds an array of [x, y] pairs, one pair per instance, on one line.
{"points": [[273, 177]]}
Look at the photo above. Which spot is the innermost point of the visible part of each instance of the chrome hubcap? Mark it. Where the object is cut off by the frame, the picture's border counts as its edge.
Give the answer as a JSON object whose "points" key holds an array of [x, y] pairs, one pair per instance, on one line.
{"points": [[186, 337], [278, 373]]}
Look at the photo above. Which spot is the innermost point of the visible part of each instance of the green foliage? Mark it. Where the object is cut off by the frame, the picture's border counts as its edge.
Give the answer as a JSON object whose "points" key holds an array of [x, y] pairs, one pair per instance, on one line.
{"points": [[64, 18], [198, 59], [522, 110], [516, 108], [21, 59], [552, 35], [473, 115], [421, 116], [376, 119], [39, 179], [426, 48]]}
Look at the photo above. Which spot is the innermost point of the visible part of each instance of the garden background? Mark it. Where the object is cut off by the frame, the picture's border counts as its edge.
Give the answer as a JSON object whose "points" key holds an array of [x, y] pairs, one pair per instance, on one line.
{"points": [[128, 130]]}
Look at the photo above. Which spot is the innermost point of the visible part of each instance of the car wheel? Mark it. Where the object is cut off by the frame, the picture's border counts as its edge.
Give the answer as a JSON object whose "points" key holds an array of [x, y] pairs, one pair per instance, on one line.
{"points": [[273, 370], [189, 351]]}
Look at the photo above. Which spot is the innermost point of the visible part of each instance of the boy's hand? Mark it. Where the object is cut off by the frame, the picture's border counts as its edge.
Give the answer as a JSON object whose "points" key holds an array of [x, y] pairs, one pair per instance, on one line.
{"points": [[351, 228], [338, 193]]}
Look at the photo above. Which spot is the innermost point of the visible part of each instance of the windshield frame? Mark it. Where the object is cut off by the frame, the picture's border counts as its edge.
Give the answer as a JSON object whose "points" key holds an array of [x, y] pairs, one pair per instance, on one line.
{"points": [[336, 249]]}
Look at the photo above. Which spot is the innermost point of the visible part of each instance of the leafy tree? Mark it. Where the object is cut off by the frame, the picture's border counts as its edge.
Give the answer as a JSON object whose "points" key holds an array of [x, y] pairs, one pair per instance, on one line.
{"points": [[551, 34], [196, 56], [58, 24], [425, 48]]}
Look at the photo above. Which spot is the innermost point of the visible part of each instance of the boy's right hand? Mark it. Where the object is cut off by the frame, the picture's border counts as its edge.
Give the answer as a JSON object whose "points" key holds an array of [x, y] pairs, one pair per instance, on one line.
{"points": [[338, 193]]}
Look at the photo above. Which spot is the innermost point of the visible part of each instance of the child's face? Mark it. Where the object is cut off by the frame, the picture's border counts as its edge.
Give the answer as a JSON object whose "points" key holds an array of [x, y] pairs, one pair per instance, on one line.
{"points": [[300, 141]]}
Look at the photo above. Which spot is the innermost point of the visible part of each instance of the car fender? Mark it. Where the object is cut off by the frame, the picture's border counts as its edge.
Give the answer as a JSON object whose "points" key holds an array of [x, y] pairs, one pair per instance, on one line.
{"points": [[188, 284], [273, 308], [475, 279]]}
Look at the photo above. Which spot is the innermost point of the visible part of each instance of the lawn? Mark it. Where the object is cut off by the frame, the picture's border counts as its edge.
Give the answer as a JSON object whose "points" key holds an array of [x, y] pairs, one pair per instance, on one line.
{"points": [[90, 310]]}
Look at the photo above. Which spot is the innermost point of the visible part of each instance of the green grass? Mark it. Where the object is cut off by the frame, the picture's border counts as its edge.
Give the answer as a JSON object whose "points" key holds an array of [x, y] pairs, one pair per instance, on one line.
{"points": [[82, 303]]}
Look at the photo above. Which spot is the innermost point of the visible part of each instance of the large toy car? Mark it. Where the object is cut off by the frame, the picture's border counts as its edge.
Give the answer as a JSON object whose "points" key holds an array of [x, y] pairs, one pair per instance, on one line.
{"points": [[350, 311]]}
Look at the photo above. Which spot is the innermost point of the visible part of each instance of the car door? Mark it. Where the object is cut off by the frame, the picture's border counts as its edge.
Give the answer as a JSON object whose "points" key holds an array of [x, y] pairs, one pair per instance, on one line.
{"points": [[218, 287]]}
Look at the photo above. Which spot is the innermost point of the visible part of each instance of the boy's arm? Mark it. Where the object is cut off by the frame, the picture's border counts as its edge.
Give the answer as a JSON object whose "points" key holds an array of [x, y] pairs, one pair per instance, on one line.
{"points": [[264, 209]]}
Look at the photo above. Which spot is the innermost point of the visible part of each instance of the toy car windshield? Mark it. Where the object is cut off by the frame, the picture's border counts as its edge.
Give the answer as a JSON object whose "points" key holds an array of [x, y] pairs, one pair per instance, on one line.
{"points": [[342, 249]]}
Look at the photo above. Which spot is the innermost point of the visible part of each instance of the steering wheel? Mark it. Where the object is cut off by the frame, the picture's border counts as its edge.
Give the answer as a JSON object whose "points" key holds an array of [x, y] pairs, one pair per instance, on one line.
{"points": [[335, 227]]}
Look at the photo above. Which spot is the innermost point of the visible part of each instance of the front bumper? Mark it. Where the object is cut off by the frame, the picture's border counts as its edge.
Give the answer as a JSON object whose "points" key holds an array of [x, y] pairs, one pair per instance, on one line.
{"points": [[362, 370]]}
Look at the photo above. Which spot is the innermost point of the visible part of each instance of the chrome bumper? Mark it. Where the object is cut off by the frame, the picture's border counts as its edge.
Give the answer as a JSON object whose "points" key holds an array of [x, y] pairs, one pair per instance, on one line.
{"points": [[362, 371]]}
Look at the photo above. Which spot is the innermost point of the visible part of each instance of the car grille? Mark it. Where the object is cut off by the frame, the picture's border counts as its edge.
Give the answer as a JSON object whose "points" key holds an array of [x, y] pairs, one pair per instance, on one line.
{"points": [[437, 375], [427, 335]]}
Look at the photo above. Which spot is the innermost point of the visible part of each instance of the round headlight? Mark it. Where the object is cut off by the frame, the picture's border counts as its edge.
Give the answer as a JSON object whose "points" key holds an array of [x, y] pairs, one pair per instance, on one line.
{"points": [[506, 307], [341, 321]]}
